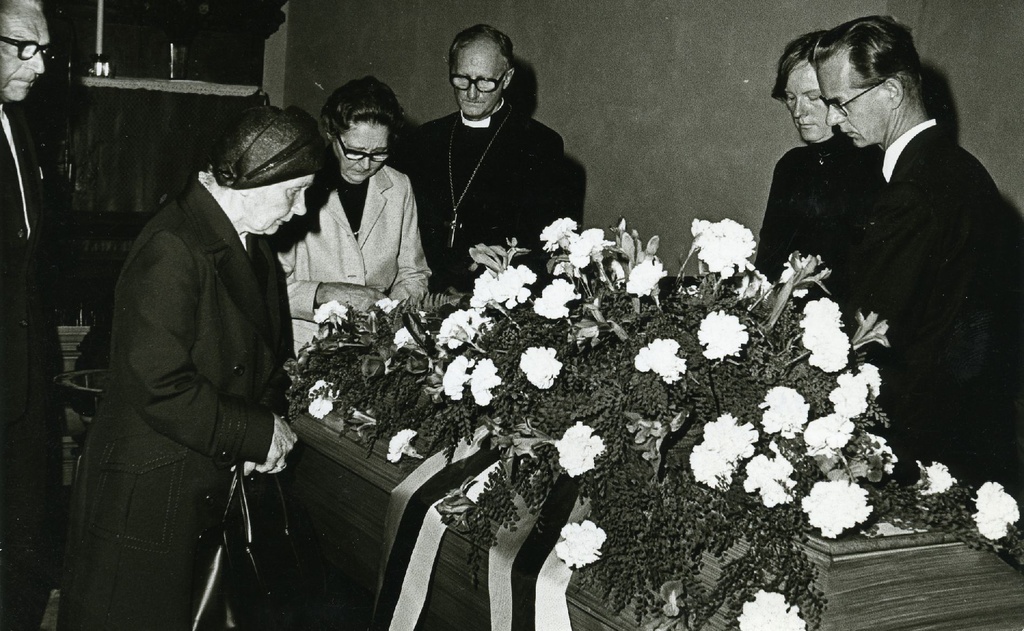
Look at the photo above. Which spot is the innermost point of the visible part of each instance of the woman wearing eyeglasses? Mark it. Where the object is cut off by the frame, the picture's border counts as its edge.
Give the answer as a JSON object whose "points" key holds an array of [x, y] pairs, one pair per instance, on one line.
{"points": [[819, 191], [364, 243]]}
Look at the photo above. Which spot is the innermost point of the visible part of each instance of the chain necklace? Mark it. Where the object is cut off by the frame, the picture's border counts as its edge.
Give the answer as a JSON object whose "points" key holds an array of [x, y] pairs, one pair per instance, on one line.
{"points": [[454, 224]]}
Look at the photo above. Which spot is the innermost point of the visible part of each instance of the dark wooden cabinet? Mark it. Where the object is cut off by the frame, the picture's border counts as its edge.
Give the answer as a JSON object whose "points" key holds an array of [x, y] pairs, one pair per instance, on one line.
{"points": [[115, 149]]}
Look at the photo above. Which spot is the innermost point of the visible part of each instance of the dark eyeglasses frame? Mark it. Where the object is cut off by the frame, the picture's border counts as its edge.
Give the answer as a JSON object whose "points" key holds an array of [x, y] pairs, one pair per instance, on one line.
{"points": [[841, 107], [24, 46], [455, 79], [354, 154]]}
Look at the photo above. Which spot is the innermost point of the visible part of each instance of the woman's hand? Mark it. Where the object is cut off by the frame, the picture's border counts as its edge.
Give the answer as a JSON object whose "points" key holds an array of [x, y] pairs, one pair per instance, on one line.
{"points": [[356, 296], [281, 444]]}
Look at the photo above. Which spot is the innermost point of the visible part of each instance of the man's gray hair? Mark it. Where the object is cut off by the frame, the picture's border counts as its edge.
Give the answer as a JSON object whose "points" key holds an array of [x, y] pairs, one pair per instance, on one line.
{"points": [[17, 7], [478, 32]]}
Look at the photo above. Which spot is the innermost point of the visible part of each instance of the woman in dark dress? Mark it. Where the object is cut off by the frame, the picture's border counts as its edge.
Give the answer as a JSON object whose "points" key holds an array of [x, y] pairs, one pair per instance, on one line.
{"points": [[196, 383], [820, 190]]}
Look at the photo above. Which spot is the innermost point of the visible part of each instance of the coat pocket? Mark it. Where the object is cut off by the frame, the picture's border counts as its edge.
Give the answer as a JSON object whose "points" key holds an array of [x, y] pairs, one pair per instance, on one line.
{"points": [[138, 492]]}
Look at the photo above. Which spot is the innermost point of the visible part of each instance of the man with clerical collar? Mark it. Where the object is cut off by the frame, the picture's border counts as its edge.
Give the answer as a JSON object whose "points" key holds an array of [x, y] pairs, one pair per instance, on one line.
{"points": [[486, 173], [29, 435], [935, 261]]}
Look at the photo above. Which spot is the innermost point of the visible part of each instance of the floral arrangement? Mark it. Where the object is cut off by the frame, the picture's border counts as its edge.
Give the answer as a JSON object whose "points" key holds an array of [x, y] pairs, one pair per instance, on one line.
{"points": [[714, 417]]}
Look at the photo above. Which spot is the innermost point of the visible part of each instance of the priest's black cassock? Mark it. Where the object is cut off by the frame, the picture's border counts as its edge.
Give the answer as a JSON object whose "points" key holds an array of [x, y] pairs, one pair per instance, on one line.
{"points": [[506, 180]]}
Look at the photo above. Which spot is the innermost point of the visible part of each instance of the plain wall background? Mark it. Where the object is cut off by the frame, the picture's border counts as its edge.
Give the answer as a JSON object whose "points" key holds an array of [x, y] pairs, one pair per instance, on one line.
{"points": [[663, 103]]}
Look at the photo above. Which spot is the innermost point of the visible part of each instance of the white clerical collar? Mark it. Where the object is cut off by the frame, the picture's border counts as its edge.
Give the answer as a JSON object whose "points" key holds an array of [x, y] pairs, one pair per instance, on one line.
{"points": [[482, 123], [892, 154]]}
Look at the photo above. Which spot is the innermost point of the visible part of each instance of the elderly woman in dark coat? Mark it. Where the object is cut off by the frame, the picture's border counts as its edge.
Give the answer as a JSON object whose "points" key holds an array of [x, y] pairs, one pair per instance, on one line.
{"points": [[197, 382]]}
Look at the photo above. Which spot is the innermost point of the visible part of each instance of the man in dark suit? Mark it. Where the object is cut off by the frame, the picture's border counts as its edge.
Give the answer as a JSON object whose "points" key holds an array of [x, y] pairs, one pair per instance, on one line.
{"points": [[488, 172], [29, 437], [934, 260]]}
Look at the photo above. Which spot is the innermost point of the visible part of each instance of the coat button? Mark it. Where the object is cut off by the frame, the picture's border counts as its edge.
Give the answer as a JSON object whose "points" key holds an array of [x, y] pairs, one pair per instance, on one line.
{"points": [[239, 369], [23, 324], [21, 233]]}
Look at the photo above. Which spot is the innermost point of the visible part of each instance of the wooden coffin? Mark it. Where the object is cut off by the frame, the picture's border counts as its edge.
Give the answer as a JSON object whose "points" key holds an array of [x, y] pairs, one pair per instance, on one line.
{"points": [[907, 582]]}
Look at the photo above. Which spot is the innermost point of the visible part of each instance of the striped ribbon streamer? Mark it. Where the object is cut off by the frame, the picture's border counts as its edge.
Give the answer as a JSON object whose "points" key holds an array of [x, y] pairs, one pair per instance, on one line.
{"points": [[551, 609], [500, 560], [421, 564], [402, 493], [409, 507]]}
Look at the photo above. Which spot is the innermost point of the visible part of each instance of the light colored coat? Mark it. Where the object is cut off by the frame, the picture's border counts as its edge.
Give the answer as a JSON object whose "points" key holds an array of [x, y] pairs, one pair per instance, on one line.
{"points": [[386, 254]]}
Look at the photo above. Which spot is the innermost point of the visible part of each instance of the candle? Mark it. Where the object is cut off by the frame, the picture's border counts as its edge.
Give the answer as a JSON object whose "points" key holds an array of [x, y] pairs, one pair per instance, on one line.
{"points": [[99, 27]]}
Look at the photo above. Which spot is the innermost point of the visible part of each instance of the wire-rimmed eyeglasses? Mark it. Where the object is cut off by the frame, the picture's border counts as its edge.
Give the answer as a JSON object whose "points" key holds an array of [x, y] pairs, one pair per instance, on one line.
{"points": [[483, 84], [355, 154], [27, 49], [841, 107]]}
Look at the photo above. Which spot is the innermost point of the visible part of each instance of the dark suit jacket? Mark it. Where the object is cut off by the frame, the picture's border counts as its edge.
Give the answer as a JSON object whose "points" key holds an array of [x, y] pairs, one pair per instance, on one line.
{"points": [[933, 262], [24, 317], [520, 187], [196, 371]]}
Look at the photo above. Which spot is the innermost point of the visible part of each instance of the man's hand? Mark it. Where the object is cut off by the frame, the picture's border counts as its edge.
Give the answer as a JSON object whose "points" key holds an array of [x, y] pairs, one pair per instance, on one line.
{"points": [[281, 444], [356, 296]]}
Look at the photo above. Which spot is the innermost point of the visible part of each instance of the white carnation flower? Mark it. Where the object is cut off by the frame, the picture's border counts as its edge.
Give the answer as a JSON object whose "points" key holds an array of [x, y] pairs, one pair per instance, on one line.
{"points": [[997, 511], [850, 398], [455, 377], [823, 335], [401, 445], [935, 478], [827, 435], [771, 477], [660, 357], [835, 506], [508, 288], [722, 334], [387, 305], [769, 611], [643, 280], [711, 467], [725, 443], [483, 380], [323, 399], [320, 407], [462, 326], [540, 366], [578, 449], [333, 311], [581, 544], [723, 246], [403, 338], [785, 412], [586, 247], [558, 234], [729, 438], [870, 375], [552, 301]]}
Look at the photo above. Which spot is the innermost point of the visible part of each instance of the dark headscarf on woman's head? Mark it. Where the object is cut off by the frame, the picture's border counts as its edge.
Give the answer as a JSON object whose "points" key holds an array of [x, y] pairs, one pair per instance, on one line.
{"points": [[267, 145]]}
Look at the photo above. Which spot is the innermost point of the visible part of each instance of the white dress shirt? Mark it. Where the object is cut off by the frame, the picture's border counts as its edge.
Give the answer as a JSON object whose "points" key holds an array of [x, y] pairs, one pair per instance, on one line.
{"points": [[892, 154]]}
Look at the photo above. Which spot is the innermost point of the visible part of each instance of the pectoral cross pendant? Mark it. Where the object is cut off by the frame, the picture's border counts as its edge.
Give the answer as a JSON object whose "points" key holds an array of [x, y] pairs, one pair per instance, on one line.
{"points": [[453, 226]]}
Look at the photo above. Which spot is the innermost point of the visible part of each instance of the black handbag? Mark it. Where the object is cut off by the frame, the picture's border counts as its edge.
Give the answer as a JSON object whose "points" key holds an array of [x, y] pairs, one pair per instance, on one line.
{"points": [[259, 569]]}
